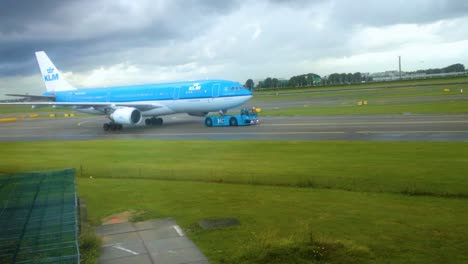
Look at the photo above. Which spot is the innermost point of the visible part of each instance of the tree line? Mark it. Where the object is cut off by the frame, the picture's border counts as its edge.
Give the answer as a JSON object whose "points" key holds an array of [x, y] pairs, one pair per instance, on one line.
{"points": [[458, 67], [347, 78], [311, 79], [308, 79]]}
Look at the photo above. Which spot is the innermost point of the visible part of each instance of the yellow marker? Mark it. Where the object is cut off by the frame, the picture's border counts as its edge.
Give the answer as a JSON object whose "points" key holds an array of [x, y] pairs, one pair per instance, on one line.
{"points": [[33, 115], [446, 90], [359, 103], [52, 115], [65, 115], [10, 119], [364, 102], [72, 115]]}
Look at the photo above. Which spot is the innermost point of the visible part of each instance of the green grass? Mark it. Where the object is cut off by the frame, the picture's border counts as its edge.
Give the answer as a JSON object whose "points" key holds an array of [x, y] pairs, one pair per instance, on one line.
{"points": [[408, 83], [291, 197], [447, 107], [367, 228], [344, 102], [406, 92], [359, 166], [301, 248], [90, 245]]}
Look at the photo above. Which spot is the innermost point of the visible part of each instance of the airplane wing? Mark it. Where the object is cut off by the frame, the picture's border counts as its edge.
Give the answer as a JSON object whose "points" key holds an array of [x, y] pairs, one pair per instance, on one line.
{"points": [[33, 97], [97, 105]]}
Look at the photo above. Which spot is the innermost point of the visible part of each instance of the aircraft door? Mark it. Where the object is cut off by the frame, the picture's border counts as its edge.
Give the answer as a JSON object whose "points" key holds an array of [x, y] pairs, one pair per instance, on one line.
{"points": [[176, 93], [216, 88]]}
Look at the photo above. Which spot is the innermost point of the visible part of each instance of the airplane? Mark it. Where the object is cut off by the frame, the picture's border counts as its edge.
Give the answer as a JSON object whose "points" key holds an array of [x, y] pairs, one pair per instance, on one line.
{"points": [[128, 105]]}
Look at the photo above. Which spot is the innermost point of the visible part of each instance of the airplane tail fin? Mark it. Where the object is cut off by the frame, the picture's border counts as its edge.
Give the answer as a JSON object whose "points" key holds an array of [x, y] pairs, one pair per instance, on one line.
{"points": [[52, 77]]}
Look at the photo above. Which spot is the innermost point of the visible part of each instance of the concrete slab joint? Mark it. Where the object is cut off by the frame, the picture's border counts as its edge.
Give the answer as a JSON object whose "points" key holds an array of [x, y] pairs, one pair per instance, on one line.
{"points": [[157, 241]]}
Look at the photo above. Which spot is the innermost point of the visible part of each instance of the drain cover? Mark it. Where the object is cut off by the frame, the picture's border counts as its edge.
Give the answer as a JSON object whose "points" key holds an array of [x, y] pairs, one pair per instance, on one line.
{"points": [[218, 223]]}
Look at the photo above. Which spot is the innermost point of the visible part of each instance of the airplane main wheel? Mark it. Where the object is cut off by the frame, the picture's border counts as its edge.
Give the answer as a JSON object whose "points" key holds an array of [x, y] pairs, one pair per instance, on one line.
{"points": [[112, 127], [208, 122], [159, 121], [233, 121], [154, 121]]}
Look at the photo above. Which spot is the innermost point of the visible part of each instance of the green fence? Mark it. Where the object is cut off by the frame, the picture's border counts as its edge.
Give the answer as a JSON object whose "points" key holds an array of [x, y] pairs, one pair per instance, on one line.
{"points": [[38, 218]]}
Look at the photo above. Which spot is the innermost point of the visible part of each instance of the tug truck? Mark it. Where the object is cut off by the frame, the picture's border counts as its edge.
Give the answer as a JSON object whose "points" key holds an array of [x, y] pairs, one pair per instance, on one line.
{"points": [[248, 116]]}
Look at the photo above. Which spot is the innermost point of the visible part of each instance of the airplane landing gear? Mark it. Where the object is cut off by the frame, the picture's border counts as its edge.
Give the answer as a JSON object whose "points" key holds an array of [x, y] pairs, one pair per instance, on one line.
{"points": [[154, 121], [112, 127]]}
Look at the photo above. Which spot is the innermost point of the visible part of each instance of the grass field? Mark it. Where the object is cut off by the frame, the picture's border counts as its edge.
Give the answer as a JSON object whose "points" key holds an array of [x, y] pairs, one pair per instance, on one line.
{"points": [[351, 108], [376, 202], [450, 82], [377, 93]]}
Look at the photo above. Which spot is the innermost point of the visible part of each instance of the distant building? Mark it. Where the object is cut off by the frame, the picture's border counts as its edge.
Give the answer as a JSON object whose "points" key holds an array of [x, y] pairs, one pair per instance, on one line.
{"points": [[395, 75]]}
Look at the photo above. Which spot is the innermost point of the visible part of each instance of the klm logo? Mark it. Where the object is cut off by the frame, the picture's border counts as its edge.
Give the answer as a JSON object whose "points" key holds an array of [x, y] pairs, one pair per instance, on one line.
{"points": [[51, 76], [195, 87]]}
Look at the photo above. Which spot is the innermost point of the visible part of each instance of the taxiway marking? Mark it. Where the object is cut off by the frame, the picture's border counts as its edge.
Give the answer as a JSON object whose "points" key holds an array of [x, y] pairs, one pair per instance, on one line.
{"points": [[118, 246], [178, 230]]}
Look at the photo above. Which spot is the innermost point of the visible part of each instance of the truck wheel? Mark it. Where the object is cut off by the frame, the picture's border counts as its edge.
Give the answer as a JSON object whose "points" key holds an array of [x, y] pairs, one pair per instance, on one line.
{"points": [[233, 121], [208, 122]]}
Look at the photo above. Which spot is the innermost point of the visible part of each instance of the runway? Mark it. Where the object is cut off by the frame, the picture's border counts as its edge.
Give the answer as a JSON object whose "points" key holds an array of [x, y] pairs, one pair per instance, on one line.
{"points": [[440, 127]]}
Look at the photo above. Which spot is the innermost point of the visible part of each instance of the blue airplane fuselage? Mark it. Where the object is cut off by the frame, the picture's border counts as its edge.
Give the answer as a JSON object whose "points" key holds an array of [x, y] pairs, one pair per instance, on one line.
{"points": [[190, 97], [155, 92]]}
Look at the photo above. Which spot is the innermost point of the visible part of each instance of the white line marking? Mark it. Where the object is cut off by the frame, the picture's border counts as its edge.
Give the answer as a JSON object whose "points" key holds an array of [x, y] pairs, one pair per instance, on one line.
{"points": [[178, 230], [125, 249], [84, 122], [184, 134], [404, 132], [369, 123]]}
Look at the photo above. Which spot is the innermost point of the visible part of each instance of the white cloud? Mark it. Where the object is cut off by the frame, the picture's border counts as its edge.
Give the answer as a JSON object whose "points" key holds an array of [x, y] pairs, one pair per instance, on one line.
{"points": [[123, 74], [21, 85], [414, 57], [257, 32]]}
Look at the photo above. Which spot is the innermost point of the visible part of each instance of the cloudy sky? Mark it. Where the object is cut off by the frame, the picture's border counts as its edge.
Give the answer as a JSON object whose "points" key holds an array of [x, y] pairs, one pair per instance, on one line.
{"points": [[101, 43]]}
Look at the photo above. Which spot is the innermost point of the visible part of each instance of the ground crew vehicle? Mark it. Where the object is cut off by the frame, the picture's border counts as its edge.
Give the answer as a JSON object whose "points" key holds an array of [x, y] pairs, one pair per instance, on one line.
{"points": [[248, 116]]}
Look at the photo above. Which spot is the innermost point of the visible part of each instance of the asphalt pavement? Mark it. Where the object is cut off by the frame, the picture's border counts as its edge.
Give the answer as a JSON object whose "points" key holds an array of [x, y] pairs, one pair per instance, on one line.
{"points": [[404, 127]]}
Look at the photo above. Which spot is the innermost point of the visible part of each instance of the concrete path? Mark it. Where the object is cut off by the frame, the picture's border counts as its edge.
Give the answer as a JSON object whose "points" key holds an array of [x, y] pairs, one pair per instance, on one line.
{"points": [[157, 241]]}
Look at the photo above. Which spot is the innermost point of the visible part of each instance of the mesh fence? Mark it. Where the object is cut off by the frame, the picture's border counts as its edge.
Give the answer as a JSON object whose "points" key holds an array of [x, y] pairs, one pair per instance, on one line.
{"points": [[38, 218]]}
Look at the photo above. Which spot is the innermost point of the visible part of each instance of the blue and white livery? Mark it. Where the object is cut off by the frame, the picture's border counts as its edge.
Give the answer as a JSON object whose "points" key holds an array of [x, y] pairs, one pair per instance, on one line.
{"points": [[129, 105]]}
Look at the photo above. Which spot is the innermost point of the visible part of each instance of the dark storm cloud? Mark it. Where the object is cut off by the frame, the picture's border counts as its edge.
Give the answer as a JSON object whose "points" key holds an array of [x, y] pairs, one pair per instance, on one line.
{"points": [[84, 35], [381, 13], [15, 15], [378, 13], [85, 31]]}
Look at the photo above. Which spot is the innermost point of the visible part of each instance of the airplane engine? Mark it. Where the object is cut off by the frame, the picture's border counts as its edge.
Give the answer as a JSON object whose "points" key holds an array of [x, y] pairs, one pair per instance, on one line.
{"points": [[126, 116], [198, 114]]}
